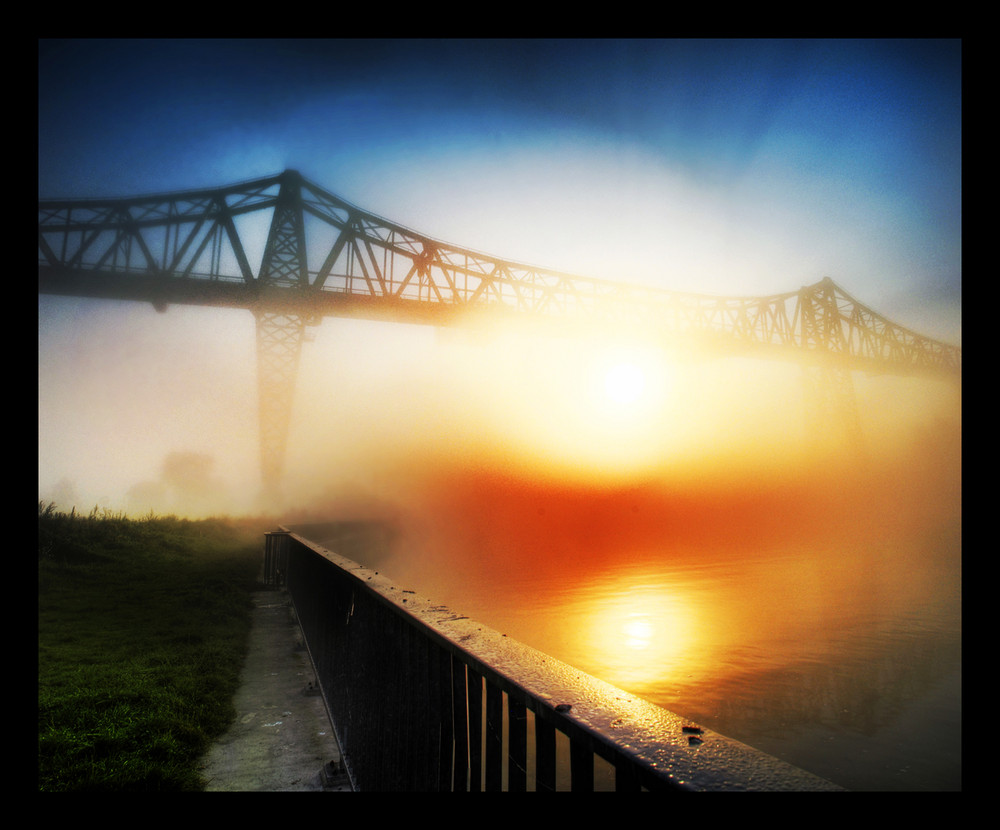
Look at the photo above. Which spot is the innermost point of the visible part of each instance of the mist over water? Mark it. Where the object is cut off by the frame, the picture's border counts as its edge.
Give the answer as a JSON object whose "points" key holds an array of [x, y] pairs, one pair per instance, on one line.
{"points": [[811, 608], [694, 543]]}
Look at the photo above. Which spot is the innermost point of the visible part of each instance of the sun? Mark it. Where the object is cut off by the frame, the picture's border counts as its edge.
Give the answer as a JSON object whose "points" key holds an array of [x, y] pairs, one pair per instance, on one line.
{"points": [[624, 383], [586, 406]]}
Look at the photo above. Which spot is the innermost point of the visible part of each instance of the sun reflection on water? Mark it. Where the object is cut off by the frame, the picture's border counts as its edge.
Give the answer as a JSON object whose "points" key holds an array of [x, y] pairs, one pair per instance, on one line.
{"points": [[637, 632]]}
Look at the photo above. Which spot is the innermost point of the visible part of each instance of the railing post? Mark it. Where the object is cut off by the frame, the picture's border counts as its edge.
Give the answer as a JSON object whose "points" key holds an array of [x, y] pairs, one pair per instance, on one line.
{"points": [[581, 765], [545, 755], [494, 738], [275, 558], [626, 777], [459, 698], [517, 745], [475, 698], [444, 710]]}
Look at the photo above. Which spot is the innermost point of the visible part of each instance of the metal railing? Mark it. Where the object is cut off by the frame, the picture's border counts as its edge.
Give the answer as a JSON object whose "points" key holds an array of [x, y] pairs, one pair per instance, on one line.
{"points": [[425, 699]]}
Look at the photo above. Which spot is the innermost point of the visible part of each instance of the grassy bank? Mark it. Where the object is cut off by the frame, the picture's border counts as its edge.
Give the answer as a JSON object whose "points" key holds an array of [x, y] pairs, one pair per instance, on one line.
{"points": [[142, 630]]}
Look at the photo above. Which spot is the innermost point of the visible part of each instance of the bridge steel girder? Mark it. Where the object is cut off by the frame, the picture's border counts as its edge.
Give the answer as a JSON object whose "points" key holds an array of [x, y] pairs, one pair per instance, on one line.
{"points": [[831, 408], [189, 246], [323, 256]]}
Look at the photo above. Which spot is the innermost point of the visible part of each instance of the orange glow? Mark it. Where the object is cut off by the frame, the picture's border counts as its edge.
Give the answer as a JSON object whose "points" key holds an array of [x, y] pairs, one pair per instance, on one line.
{"points": [[580, 407], [639, 633]]}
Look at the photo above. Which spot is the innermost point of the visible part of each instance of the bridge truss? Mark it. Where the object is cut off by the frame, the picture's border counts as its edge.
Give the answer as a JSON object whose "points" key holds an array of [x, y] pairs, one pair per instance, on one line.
{"points": [[321, 256]]}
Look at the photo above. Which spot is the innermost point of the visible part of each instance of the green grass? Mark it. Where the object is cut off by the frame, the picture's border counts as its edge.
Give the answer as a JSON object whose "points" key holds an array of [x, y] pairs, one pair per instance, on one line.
{"points": [[142, 630]]}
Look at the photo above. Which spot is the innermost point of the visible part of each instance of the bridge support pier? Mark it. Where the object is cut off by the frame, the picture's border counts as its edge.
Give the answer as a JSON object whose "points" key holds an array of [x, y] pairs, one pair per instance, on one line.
{"points": [[831, 406], [279, 345]]}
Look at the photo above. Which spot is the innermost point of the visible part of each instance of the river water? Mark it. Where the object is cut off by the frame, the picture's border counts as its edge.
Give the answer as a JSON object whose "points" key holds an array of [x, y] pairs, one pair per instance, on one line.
{"points": [[837, 652], [849, 667]]}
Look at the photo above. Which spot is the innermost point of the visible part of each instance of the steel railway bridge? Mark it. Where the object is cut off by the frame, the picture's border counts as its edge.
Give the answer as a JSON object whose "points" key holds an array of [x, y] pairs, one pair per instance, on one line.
{"points": [[321, 256]]}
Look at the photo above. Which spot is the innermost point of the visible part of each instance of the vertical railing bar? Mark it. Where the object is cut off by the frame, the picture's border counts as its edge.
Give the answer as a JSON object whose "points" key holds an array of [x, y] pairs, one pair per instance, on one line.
{"points": [[416, 699], [391, 721], [494, 738], [581, 765], [475, 699], [429, 721], [383, 726], [626, 776], [365, 634], [444, 711], [545, 755], [348, 718], [392, 632], [426, 719], [335, 691], [414, 696], [517, 744], [379, 734], [459, 701]]}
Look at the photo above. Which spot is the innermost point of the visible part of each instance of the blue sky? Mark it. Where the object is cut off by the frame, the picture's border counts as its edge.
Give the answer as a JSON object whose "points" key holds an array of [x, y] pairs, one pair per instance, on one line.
{"points": [[729, 167]]}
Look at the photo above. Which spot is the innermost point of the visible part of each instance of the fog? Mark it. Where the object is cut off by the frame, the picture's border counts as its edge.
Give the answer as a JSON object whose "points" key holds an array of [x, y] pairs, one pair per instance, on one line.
{"points": [[502, 451], [143, 411], [729, 167]]}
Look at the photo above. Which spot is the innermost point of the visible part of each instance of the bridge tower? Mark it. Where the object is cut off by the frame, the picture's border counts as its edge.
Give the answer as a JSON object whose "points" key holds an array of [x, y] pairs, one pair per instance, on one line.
{"points": [[280, 331], [831, 405]]}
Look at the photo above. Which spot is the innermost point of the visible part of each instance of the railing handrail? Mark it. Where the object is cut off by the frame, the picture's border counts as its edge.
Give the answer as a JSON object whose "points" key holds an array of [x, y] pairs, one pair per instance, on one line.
{"points": [[647, 745]]}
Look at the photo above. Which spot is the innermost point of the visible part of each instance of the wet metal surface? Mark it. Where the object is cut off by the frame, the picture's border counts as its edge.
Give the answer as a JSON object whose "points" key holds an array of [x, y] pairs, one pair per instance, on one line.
{"points": [[665, 749]]}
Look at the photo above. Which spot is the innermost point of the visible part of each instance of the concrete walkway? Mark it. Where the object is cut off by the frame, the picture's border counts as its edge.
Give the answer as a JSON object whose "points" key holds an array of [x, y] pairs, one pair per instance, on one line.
{"points": [[281, 740]]}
